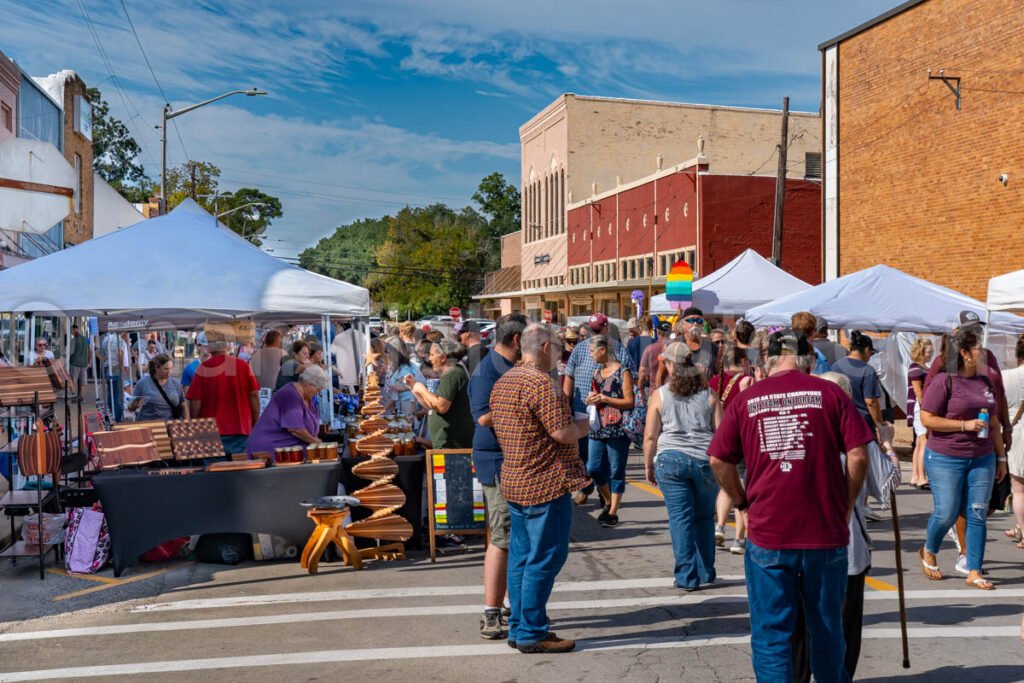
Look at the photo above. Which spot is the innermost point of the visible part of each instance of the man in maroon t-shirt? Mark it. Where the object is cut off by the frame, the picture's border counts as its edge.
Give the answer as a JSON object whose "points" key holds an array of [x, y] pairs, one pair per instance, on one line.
{"points": [[791, 429], [226, 389]]}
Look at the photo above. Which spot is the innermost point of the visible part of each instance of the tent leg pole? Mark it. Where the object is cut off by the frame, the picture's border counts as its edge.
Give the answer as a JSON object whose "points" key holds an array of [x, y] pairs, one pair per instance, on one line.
{"points": [[988, 321]]}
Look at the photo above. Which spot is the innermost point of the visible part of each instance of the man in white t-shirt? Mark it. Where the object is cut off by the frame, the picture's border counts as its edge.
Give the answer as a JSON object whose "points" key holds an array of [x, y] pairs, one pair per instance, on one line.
{"points": [[36, 356]]}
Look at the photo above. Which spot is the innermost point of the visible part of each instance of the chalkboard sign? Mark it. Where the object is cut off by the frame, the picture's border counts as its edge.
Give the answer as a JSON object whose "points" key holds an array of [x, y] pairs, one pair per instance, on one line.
{"points": [[455, 499]]}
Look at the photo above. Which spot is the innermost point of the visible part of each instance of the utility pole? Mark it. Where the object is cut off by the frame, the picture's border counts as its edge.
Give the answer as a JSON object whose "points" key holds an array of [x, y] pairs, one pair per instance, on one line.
{"points": [[192, 169], [780, 186]]}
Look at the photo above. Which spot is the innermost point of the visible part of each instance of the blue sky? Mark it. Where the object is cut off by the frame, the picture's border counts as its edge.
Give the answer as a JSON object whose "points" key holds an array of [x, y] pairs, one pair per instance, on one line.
{"points": [[381, 103]]}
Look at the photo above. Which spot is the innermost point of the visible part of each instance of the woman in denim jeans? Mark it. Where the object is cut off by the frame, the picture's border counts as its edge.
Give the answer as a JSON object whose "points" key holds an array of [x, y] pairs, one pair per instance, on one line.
{"points": [[681, 420], [961, 456], [612, 393]]}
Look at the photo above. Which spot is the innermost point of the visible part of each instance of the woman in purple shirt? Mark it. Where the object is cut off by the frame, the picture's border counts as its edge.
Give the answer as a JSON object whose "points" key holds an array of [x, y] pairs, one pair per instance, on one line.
{"points": [[963, 454], [290, 419]]}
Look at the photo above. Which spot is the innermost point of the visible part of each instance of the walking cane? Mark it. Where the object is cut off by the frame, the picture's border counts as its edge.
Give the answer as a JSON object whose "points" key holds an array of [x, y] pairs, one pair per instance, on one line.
{"points": [[899, 579]]}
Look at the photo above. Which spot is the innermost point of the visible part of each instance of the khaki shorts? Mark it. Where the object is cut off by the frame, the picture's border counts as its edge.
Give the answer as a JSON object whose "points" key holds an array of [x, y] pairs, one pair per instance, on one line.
{"points": [[498, 520]]}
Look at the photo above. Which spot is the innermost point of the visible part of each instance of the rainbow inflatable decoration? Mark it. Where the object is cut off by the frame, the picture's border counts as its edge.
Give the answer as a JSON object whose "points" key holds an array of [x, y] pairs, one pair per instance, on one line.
{"points": [[679, 285]]}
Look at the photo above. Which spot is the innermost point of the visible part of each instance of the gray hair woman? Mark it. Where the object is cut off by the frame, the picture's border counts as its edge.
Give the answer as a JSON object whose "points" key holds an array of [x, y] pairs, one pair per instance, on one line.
{"points": [[449, 420], [291, 418]]}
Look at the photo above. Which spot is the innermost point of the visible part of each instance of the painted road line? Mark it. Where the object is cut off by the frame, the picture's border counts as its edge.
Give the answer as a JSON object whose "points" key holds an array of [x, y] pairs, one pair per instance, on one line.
{"points": [[105, 586], [448, 610], [409, 592], [87, 577], [437, 651], [876, 584], [376, 613]]}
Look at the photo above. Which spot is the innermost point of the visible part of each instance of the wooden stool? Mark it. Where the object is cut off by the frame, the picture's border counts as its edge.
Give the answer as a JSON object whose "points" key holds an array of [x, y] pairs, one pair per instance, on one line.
{"points": [[329, 530]]}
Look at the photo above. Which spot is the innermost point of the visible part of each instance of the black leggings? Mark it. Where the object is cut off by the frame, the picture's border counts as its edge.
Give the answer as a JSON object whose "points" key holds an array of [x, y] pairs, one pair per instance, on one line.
{"points": [[853, 619]]}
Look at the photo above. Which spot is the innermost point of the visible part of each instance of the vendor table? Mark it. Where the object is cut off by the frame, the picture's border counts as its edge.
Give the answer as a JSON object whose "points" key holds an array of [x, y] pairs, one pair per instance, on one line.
{"points": [[145, 510], [410, 480]]}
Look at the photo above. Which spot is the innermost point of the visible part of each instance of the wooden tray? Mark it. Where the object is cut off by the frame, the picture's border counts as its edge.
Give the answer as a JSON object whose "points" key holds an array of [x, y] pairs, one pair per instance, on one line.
{"points": [[125, 447], [237, 465], [18, 386], [160, 435], [193, 439]]}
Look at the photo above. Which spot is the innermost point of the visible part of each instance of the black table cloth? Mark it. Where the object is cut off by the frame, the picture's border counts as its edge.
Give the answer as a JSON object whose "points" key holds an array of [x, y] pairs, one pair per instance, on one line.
{"points": [[409, 479], [144, 510]]}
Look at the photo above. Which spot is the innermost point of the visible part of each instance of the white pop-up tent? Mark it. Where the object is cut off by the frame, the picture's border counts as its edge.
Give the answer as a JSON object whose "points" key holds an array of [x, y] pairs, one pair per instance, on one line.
{"points": [[883, 299], [176, 271], [747, 281], [1006, 292]]}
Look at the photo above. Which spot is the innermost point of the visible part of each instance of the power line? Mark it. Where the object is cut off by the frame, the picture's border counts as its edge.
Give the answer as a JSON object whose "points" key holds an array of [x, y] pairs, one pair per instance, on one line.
{"points": [[125, 99], [341, 187], [152, 73]]}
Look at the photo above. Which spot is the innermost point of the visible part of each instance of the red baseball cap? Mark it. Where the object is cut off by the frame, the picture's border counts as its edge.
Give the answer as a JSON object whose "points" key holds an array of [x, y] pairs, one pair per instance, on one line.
{"points": [[597, 322]]}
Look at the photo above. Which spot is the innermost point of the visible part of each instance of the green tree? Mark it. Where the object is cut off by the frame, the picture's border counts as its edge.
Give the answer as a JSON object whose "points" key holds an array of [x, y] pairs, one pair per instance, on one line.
{"points": [[251, 212], [500, 202], [199, 180], [350, 253], [115, 152], [431, 259]]}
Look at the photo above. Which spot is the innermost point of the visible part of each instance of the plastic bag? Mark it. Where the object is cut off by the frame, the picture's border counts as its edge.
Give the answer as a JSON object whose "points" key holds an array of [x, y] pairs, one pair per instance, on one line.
{"points": [[53, 529], [224, 548]]}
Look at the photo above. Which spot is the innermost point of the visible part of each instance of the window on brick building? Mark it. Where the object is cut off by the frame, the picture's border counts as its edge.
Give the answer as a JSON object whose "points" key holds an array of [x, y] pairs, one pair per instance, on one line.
{"points": [[7, 116], [812, 165], [77, 198]]}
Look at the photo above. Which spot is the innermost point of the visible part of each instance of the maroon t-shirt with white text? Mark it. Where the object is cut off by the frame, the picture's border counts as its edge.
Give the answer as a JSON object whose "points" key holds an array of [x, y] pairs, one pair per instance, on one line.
{"points": [[791, 429]]}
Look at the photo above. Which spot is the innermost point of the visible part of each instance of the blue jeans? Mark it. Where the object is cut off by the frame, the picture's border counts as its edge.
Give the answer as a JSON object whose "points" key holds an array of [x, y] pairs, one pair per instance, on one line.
{"points": [[537, 549], [690, 491], [959, 484], [606, 463], [115, 395], [777, 581]]}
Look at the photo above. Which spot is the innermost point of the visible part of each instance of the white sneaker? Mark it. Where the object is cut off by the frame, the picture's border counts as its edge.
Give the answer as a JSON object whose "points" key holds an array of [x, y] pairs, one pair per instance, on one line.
{"points": [[719, 534], [738, 546], [961, 564]]}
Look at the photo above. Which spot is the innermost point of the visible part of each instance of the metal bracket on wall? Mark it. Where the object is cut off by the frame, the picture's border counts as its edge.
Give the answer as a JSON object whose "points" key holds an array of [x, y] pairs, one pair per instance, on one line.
{"points": [[949, 81]]}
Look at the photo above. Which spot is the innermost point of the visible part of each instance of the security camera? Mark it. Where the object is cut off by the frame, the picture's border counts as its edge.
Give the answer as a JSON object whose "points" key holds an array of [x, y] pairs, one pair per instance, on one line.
{"points": [[1004, 178]]}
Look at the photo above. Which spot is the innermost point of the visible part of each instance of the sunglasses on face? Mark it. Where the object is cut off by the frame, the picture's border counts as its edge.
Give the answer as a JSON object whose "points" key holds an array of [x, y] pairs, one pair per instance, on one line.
{"points": [[694, 321]]}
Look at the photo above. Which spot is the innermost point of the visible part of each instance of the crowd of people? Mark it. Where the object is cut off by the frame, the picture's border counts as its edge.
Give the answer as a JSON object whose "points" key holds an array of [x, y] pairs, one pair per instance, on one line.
{"points": [[786, 431], [785, 428]]}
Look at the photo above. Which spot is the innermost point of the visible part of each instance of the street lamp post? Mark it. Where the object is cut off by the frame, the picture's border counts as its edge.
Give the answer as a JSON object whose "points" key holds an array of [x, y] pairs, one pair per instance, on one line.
{"points": [[169, 114]]}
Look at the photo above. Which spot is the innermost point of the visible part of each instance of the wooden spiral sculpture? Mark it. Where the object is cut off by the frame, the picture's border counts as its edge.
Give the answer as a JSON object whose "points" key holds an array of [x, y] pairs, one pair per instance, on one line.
{"points": [[384, 498]]}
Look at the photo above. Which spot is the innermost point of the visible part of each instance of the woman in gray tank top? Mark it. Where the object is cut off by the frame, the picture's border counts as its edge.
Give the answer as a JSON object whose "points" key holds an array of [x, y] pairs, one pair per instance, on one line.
{"points": [[681, 420]]}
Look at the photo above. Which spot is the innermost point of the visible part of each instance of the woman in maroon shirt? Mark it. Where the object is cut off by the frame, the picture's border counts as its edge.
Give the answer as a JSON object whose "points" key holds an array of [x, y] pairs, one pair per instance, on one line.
{"points": [[733, 376], [963, 454]]}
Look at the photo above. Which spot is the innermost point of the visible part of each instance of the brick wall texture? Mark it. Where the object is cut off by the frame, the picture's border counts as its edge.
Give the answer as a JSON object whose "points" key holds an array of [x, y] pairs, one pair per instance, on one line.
{"points": [[918, 180], [77, 226]]}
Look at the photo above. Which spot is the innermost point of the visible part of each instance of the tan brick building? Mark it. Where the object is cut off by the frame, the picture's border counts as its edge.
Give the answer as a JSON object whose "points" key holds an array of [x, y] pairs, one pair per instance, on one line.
{"points": [[582, 149], [916, 176]]}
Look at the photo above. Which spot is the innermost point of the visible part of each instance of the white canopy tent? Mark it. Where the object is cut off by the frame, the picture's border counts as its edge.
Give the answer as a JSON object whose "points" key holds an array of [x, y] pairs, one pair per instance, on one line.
{"points": [[881, 298], [176, 272], [747, 281], [1006, 292]]}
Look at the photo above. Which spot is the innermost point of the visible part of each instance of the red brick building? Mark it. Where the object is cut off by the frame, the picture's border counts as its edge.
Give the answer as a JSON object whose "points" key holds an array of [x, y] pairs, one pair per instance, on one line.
{"points": [[628, 239], [923, 143]]}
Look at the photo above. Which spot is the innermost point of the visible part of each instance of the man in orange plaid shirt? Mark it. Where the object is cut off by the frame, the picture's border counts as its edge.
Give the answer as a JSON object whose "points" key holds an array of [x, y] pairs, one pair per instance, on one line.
{"points": [[542, 467]]}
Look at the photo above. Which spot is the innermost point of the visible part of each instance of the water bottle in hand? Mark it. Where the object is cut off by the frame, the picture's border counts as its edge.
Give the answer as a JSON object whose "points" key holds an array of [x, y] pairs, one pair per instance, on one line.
{"points": [[983, 416]]}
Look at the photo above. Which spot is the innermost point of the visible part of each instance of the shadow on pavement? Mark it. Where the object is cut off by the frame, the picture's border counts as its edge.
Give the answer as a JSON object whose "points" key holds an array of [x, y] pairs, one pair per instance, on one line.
{"points": [[996, 673]]}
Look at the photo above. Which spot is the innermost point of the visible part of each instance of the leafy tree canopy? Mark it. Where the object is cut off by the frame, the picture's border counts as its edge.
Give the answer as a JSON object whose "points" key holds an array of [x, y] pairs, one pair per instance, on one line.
{"points": [[115, 152]]}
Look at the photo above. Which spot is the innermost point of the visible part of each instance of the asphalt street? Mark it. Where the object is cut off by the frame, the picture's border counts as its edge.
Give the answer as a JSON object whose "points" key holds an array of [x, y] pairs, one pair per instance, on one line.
{"points": [[416, 621]]}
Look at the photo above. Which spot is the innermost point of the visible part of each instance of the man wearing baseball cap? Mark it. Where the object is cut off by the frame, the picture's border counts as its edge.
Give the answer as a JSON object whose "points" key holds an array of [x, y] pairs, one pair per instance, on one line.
{"points": [[649, 359], [791, 429], [468, 335], [579, 374]]}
